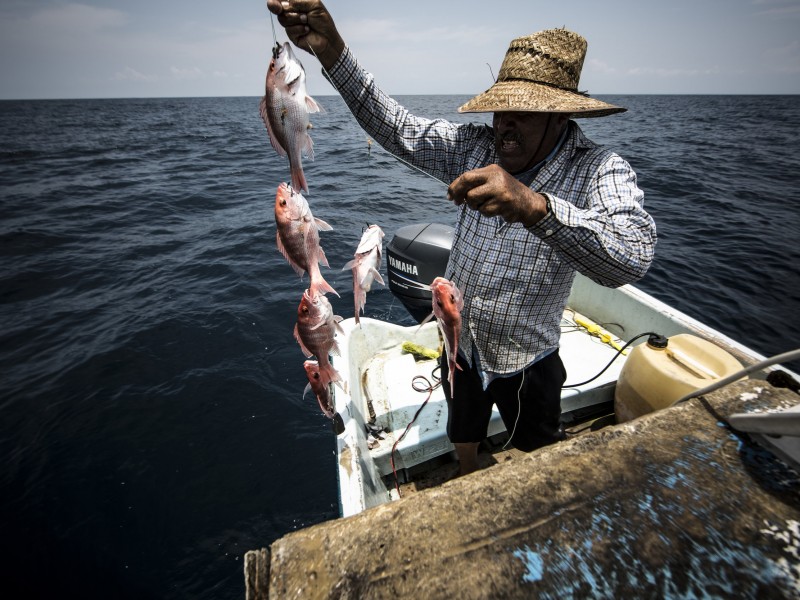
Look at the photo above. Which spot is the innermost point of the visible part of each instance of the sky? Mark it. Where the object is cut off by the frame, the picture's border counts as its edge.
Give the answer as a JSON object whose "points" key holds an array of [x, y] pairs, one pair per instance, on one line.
{"points": [[183, 48]]}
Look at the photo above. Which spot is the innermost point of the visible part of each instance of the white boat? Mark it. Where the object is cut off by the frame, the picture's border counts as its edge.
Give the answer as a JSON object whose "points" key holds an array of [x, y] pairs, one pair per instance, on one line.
{"points": [[383, 389]]}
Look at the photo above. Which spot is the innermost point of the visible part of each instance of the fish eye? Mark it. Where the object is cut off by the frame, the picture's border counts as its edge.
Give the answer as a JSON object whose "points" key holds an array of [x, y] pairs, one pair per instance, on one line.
{"points": [[316, 375], [283, 202]]}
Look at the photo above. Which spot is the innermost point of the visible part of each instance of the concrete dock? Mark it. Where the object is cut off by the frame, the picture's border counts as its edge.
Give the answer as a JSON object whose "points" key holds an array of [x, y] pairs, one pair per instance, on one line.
{"points": [[674, 504]]}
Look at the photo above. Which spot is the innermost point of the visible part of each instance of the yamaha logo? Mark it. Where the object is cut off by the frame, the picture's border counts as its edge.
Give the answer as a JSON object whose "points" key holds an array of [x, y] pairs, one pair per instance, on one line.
{"points": [[403, 266]]}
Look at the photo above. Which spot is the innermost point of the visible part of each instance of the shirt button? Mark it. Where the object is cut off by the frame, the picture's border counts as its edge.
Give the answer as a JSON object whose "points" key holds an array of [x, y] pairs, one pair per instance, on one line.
{"points": [[549, 232]]}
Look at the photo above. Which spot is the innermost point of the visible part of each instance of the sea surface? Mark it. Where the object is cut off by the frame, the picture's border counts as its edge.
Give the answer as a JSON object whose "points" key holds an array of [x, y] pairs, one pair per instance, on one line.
{"points": [[153, 422]]}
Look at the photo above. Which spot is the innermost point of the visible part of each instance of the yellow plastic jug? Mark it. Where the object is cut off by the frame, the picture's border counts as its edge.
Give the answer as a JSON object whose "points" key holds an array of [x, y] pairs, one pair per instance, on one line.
{"points": [[663, 370]]}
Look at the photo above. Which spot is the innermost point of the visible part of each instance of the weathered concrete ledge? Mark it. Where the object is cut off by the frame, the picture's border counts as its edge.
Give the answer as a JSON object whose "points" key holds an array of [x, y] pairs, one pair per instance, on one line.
{"points": [[672, 504]]}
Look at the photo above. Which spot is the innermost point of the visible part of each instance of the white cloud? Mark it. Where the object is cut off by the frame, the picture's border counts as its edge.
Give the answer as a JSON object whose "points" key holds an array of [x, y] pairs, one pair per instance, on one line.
{"points": [[131, 74], [191, 73], [71, 19], [778, 8], [598, 66], [671, 73]]}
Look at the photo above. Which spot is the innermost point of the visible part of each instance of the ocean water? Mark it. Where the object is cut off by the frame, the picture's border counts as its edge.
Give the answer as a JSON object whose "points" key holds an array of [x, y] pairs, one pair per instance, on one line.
{"points": [[153, 426]]}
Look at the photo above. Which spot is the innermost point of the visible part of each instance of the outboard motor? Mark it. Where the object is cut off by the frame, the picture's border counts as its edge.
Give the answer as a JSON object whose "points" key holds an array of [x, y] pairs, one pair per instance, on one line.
{"points": [[416, 256]]}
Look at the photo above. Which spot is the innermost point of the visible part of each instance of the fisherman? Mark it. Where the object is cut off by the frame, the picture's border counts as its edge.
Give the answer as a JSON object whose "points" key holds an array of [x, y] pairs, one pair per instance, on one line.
{"points": [[536, 200]]}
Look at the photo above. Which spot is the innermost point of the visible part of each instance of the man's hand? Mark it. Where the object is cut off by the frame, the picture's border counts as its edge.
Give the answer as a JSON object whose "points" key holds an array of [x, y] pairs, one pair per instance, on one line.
{"points": [[310, 26], [492, 191]]}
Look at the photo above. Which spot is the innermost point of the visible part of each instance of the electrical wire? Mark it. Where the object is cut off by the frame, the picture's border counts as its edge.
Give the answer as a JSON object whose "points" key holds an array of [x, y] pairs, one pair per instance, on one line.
{"points": [[419, 383], [616, 356]]}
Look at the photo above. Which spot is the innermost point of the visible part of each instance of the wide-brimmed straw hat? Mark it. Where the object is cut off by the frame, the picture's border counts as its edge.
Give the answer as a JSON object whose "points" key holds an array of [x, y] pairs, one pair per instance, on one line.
{"points": [[540, 73]]}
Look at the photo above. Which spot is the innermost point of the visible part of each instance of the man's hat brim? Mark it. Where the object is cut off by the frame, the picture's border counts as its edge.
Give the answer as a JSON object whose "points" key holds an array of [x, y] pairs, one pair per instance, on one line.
{"points": [[526, 96]]}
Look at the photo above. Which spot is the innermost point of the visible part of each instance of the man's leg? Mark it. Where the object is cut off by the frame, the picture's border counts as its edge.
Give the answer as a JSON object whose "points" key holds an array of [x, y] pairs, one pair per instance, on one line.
{"points": [[467, 457], [468, 413]]}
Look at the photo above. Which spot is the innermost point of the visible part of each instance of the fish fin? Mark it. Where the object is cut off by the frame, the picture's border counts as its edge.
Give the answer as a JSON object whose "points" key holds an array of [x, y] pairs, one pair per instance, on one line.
{"points": [[322, 225], [300, 341], [313, 106], [298, 177], [337, 319], [307, 147], [292, 71], [377, 276], [273, 139], [369, 277], [307, 389], [335, 349], [328, 374], [350, 264], [320, 286], [426, 319], [321, 258]]}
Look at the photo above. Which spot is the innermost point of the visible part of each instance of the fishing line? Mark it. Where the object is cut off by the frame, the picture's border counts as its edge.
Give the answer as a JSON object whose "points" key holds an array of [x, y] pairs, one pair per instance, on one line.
{"points": [[519, 400], [274, 35], [369, 142], [519, 411]]}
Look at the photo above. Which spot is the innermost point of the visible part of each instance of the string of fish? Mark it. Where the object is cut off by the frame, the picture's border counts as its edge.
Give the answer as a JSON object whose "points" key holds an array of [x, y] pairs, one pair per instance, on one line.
{"points": [[366, 263]]}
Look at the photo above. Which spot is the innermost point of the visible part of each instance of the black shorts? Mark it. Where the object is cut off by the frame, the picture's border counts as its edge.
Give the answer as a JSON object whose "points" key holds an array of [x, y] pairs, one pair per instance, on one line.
{"points": [[536, 391]]}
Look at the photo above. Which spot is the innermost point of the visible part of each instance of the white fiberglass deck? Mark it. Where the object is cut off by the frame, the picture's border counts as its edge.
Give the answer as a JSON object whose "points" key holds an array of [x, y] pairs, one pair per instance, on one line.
{"points": [[380, 377]]}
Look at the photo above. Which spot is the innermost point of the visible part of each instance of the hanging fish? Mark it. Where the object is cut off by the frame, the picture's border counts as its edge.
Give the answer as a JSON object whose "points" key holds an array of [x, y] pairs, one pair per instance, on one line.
{"points": [[315, 330], [365, 266], [298, 237], [285, 108], [447, 303], [323, 395]]}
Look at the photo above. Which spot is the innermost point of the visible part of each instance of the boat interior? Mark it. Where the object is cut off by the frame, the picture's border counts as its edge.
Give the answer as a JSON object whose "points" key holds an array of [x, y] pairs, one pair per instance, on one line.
{"points": [[394, 409]]}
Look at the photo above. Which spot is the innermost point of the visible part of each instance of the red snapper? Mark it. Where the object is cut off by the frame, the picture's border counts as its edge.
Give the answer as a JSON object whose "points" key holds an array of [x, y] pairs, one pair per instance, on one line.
{"points": [[323, 395], [315, 330], [447, 303], [298, 237], [285, 108]]}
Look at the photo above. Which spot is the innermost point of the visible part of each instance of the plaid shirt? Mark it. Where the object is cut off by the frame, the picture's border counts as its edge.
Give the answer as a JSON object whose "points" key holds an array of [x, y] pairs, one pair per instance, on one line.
{"points": [[516, 280]]}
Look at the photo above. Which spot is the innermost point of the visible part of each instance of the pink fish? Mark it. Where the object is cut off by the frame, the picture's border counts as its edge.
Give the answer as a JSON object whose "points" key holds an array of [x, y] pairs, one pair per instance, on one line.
{"points": [[365, 266], [298, 237], [323, 394], [315, 330], [447, 303], [285, 108]]}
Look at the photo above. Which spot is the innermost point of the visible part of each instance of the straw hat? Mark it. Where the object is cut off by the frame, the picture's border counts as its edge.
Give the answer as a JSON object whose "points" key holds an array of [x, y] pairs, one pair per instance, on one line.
{"points": [[540, 74]]}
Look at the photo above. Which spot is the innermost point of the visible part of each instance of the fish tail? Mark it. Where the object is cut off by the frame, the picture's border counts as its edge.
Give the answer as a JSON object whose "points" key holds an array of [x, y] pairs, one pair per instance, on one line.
{"points": [[318, 285], [299, 179], [328, 375]]}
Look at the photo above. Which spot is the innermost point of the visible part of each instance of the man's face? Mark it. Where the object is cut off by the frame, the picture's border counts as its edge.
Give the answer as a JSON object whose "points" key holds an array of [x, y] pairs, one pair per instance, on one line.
{"points": [[522, 139]]}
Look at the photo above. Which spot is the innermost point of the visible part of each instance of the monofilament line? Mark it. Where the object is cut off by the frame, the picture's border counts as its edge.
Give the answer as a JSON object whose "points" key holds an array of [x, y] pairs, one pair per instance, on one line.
{"points": [[272, 22], [405, 162]]}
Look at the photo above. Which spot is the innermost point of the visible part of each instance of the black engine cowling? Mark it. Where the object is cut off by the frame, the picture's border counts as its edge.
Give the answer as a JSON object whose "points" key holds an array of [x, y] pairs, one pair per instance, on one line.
{"points": [[416, 256]]}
